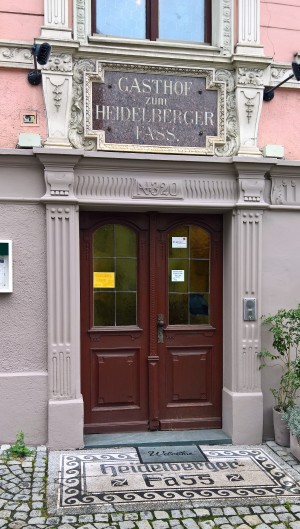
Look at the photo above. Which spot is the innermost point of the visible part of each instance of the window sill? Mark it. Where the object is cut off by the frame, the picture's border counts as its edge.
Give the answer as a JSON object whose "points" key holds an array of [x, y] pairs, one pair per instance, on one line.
{"points": [[161, 45]]}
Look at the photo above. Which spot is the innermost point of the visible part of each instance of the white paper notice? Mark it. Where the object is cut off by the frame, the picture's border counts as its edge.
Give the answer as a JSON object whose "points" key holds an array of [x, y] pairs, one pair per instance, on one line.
{"points": [[177, 275], [2, 273], [179, 242]]}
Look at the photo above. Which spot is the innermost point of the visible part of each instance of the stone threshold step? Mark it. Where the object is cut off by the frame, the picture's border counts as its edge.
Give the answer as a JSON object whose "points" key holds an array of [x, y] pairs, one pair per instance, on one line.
{"points": [[182, 437]]}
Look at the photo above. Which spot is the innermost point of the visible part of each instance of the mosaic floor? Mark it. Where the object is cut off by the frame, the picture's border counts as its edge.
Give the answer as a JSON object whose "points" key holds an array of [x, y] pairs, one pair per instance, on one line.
{"points": [[167, 475]]}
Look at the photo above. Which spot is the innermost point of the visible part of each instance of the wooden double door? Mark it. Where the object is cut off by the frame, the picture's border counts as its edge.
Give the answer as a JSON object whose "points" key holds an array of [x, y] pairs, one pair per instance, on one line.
{"points": [[151, 321]]}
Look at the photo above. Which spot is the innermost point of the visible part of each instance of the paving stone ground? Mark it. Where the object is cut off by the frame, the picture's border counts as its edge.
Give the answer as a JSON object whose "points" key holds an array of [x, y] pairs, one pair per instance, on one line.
{"points": [[23, 505]]}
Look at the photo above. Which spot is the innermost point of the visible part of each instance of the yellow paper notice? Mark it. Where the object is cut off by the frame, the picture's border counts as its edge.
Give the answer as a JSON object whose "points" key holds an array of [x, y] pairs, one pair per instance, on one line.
{"points": [[104, 280]]}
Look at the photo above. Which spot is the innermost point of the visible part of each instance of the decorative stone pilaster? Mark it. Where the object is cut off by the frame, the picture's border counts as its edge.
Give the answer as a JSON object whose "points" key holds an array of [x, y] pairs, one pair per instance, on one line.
{"points": [[249, 96], [249, 28], [62, 214], [57, 85], [56, 20], [242, 394]]}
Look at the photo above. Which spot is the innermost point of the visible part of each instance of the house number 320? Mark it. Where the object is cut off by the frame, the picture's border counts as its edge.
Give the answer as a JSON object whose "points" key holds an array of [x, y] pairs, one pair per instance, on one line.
{"points": [[154, 189]]}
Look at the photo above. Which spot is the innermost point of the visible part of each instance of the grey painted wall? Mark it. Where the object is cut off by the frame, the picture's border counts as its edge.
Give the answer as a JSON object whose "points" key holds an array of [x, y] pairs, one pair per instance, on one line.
{"points": [[23, 325], [280, 285]]}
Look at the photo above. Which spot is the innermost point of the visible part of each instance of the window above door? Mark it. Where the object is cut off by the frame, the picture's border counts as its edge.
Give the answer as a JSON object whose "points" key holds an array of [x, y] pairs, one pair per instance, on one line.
{"points": [[188, 21], [213, 33]]}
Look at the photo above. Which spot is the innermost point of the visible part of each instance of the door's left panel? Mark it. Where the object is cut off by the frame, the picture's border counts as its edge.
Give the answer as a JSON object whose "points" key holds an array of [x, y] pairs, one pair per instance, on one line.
{"points": [[114, 322]]}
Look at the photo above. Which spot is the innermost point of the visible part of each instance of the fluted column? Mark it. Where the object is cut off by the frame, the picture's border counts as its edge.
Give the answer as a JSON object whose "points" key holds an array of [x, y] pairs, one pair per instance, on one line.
{"points": [[56, 20], [63, 283], [249, 28], [242, 393]]}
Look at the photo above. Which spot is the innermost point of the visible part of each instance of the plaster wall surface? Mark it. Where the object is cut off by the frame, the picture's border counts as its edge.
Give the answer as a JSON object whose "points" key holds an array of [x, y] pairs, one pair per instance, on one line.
{"points": [[280, 285], [279, 124], [23, 323], [24, 6], [15, 26], [280, 31], [18, 97], [23, 406], [23, 326]]}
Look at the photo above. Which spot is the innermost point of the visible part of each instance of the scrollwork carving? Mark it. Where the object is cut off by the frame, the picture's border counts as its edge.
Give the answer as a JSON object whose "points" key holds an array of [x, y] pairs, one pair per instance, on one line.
{"points": [[15, 55], [76, 129], [232, 137]]}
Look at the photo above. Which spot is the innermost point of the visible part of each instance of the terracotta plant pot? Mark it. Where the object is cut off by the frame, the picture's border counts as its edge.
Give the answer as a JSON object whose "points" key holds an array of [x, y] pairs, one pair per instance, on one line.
{"points": [[295, 448], [282, 433]]}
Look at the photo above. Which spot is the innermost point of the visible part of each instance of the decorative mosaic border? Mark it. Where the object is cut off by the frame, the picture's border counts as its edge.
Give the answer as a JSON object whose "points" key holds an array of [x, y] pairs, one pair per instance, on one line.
{"points": [[72, 483]]}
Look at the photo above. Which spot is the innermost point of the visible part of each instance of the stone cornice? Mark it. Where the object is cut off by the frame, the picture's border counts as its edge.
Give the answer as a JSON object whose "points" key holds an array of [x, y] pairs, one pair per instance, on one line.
{"points": [[135, 180], [17, 54]]}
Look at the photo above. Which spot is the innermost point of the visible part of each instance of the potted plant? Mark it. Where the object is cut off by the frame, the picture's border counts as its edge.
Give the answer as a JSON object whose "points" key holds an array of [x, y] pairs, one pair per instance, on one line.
{"points": [[285, 328], [292, 418]]}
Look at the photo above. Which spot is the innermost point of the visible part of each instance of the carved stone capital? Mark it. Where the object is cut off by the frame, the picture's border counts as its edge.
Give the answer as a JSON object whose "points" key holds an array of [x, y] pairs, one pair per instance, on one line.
{"points": [[251, 191], [252, 77], [251, 183], [59, 175], [59, 63], [60, 183]]}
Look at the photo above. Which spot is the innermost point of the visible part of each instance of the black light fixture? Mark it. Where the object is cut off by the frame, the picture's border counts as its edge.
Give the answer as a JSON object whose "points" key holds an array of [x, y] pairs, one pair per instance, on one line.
{"points": [[269, 92], [41, 54]]}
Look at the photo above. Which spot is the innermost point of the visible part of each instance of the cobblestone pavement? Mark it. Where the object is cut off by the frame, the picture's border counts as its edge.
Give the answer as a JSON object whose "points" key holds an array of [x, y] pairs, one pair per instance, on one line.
{"points": [[23, 505]]}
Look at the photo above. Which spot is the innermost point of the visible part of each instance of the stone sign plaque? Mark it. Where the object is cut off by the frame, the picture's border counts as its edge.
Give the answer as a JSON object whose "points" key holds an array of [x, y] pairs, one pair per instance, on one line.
{"points": [[154, 110]]}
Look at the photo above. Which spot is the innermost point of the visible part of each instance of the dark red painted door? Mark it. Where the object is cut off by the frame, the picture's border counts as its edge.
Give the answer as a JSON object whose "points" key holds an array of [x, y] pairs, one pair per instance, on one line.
{"points": [[151, 321]]}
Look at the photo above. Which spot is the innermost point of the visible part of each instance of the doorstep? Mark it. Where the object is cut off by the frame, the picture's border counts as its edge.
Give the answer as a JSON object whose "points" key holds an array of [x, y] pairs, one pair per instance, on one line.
{"points": [[182, 437]]}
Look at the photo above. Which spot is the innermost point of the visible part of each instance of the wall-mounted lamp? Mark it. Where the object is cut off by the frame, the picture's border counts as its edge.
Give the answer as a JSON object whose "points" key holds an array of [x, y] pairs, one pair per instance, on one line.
{"points": [[269, 92], [41, 54]]}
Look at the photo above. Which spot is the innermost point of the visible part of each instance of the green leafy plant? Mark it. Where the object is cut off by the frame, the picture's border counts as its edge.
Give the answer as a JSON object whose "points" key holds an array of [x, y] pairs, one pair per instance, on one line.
{"points": [[285, 327], [292, 418], [18, 449]]}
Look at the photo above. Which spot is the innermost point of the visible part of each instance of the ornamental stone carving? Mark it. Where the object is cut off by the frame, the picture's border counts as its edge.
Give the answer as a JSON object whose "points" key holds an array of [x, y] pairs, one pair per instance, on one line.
{"points": [[76, 129], [15, 55], [231, 145], [250, 76], [249, 94], [57, 85], [285, 191], [59, 63]]}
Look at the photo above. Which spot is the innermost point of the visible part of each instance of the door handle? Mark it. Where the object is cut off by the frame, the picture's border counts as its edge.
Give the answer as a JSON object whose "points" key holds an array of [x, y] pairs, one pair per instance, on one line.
{"points": [[160, 328]]}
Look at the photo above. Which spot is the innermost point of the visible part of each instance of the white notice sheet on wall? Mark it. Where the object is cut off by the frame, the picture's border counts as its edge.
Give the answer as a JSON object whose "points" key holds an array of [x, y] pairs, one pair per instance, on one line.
{"points": [[177, 276], [179, 242], [2, 273]]}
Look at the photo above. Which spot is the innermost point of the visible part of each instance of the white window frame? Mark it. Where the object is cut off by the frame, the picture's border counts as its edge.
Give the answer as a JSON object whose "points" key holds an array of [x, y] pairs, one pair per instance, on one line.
{"points": [[222, 28]]}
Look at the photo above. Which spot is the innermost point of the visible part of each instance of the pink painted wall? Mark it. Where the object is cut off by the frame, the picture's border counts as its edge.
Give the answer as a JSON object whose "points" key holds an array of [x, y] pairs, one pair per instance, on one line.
{"points": [[280, 29], [21, 20], [18, 97], [280, 36], [279, 124]]}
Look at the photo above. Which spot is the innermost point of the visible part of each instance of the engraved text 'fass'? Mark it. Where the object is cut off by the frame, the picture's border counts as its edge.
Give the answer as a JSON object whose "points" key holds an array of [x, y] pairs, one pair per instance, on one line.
{"points": [[153, 109]]}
